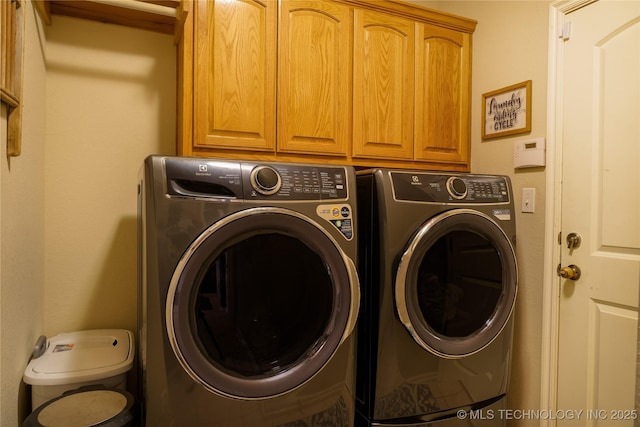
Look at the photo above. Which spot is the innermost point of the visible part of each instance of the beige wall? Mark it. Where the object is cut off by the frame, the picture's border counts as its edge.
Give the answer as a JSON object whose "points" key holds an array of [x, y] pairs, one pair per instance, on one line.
{"points": [[22, 231], [105, 100], [510, 46], [110, 103]]}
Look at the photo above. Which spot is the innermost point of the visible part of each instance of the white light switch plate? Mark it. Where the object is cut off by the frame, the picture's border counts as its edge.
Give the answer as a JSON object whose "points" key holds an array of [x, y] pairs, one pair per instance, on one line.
{"points": [[529, 200]]}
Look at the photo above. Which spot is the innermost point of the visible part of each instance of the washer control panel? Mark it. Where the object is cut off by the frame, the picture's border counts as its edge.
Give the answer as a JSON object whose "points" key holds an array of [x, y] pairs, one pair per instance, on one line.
{"points": [[439, 188], [193, 177], [295, 182]]}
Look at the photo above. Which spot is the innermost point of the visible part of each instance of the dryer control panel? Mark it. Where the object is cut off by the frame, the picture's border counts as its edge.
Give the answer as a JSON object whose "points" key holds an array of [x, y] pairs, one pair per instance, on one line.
{"points": [[439, 188]]}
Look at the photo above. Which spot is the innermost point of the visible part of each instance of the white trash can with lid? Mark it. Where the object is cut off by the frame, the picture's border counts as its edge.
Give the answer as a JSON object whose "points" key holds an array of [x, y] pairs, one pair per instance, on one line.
{"points": [[78, 359]]}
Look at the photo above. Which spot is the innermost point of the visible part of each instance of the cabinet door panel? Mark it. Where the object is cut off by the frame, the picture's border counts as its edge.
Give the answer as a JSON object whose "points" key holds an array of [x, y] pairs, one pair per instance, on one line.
{"points": [[443, 61], [234, 83], [383, 86], [314, 83]]}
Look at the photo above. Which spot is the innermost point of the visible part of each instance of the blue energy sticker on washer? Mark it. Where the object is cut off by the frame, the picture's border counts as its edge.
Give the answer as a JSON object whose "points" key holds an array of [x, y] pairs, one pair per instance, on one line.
{"points": [[338, 215], [502, 214]]}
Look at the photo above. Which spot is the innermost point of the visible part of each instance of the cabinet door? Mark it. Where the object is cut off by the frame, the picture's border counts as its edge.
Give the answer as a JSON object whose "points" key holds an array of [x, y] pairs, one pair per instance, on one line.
{"points": [[383, 86], [443, 84], [314, 79], [234, 76]]}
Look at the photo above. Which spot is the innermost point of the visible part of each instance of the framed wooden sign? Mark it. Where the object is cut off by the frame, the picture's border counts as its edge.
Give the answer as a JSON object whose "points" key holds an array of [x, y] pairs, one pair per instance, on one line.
{"points": [[507, 111]]}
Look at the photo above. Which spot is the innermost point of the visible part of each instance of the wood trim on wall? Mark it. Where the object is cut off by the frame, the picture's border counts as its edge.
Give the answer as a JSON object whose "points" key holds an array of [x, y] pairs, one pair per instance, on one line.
{"points": [[12, 48]]}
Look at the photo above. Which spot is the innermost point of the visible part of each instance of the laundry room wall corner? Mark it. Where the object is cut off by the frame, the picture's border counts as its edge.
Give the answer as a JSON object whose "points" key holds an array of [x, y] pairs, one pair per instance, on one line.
{"points": [[110, 103], [510, 46]]}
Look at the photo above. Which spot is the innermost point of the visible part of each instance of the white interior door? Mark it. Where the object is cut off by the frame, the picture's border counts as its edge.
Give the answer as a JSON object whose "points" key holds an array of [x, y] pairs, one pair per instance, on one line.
{"points": [[600, 202]]}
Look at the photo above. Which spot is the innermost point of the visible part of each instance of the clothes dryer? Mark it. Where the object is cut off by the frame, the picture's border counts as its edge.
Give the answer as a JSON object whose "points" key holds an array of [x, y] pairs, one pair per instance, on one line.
{"points": [[248, 293], [439, 282]]}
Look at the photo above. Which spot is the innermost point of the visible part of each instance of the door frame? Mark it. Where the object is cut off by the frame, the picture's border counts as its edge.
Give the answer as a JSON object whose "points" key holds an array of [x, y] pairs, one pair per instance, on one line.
{"points": [[553, 212]]}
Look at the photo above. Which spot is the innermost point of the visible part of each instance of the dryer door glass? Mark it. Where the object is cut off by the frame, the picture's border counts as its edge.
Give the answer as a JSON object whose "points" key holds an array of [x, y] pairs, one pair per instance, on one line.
{"points": [[259, 303], [456, 283], [459, 283]]}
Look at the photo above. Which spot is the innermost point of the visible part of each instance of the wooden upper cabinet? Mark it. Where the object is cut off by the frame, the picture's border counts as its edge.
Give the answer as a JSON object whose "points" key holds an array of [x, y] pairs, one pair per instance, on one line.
{"points": [[366, 83], [235, 74], [443, 87], [314, 78], [383, 86]]}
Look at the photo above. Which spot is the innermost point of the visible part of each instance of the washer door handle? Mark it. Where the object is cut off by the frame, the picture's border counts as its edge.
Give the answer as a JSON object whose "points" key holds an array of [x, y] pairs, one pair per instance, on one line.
{"points": [[355, 298]]}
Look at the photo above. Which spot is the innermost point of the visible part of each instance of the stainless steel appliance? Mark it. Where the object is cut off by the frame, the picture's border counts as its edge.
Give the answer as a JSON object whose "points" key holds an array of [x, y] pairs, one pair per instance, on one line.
{"points": [[248, 293], [439, 282]]}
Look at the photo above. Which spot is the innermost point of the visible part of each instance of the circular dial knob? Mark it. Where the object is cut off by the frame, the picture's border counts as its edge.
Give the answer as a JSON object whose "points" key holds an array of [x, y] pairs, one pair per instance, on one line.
{"points": [[265, 180], [456, 187]]}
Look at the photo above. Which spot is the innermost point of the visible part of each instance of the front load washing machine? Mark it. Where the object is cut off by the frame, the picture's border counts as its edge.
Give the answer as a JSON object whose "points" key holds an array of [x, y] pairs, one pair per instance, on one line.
{"points": [[439, 281], [248, 293]]}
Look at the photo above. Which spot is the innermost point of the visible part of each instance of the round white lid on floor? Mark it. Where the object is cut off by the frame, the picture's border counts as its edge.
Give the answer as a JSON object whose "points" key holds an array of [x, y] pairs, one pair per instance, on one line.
{"points": [[83, 409]]}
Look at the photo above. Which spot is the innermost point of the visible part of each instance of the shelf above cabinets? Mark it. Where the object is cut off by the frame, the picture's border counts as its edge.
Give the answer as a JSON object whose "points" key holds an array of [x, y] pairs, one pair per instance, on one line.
{"points": [[164, 16]]}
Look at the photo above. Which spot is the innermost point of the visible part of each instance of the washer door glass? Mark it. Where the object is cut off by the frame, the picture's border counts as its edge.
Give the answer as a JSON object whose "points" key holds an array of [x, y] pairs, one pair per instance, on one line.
{"points": [[456, 283], [259, 303]]}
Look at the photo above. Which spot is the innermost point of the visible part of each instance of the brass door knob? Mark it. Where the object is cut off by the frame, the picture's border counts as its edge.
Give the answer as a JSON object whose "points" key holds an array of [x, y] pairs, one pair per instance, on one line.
{"points": [[571, 272]]}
